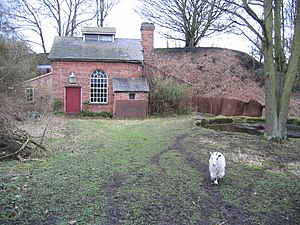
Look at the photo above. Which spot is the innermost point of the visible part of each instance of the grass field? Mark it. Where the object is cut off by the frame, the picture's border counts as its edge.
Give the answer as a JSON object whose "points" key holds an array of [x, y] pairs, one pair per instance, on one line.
{"points": [[152, 171]]}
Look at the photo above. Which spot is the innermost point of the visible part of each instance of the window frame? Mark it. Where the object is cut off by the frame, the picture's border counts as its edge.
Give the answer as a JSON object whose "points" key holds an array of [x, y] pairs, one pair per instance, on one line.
{"points": [[105, 38], [98, 38], [91, 37], [132, 96], [99, 87], [29, 94]]}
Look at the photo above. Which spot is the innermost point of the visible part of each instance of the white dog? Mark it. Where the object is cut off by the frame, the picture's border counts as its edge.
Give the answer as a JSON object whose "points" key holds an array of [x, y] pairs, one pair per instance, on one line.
{"points": [[217, 166]]}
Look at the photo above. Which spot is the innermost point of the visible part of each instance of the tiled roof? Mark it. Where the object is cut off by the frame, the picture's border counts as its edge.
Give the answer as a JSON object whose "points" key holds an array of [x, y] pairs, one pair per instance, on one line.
{"points": [[74, 48], [130, 85]]}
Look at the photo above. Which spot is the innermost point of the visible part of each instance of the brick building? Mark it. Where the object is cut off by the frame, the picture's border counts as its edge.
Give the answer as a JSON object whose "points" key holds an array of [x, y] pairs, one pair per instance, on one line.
{"points": [[97, 72]]}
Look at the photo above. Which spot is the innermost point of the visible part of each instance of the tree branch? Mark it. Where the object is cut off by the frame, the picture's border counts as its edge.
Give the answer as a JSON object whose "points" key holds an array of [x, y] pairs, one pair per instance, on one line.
{"points": [[18, 151]]}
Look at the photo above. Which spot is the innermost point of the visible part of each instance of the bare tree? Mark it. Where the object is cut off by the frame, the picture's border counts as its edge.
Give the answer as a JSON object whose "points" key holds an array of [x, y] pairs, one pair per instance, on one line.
{"points": [[264, 19], [16, 62], [21, 15], [103, 8], [35, 16], [7, 28], [190, 20], [289, 19], [67, 15], [28, 15]]}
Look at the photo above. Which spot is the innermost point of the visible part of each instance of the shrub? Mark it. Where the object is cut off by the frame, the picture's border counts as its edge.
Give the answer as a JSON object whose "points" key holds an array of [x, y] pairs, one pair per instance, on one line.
{"points": [[57, 104], [169, 97], [106, 114], [86, 102], [59, 113], [86, 113]]}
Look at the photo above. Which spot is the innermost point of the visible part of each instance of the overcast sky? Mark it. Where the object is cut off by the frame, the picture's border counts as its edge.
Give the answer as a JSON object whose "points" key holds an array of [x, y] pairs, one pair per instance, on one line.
{"points": [[128, 23]]}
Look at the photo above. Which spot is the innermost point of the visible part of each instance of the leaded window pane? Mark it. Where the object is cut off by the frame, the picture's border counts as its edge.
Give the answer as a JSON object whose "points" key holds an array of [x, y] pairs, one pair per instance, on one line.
{"points": [[99, 90]]}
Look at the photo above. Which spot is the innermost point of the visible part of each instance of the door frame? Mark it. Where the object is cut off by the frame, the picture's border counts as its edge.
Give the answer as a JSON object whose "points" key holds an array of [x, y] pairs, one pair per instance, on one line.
{"points": [[65, 97]]}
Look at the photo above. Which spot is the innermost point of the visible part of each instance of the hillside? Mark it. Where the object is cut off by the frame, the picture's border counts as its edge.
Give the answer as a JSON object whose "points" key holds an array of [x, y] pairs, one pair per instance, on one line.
{"points": [[214, 72]]}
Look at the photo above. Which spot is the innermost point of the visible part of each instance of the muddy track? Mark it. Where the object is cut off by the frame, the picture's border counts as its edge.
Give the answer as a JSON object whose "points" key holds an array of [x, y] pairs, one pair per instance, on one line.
{"points": [[214, 201], [177, 144], [114, 215]]}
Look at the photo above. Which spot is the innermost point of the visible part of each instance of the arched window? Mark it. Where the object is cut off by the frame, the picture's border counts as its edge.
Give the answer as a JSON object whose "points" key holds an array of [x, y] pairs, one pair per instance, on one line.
{"points": [[99, 87]]}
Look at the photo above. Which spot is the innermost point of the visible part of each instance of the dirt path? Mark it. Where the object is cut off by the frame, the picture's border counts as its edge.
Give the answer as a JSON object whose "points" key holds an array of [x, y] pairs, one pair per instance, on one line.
{"points": [[214, 202], [114, 211]]}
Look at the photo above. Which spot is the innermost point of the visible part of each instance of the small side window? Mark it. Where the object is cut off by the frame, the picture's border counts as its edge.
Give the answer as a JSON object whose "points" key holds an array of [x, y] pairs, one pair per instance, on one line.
{"points": [[131, 95], [29, 94], [107, 38], [91, 37]]}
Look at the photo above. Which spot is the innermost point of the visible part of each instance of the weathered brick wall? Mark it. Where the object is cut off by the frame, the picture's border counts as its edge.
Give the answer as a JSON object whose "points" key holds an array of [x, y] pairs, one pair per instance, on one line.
{"points": [[125, 96], [42, 86], [83, 70], [147, 35]]}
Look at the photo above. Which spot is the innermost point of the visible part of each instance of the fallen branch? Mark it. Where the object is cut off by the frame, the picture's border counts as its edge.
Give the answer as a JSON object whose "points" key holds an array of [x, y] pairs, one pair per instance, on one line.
{"points": [[13, 140], [21, 138], [38, 145], [44, 132], [20, 149]]}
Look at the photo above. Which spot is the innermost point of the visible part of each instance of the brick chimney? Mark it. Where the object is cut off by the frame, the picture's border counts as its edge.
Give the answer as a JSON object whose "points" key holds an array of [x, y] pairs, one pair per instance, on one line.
{"points": [[147, 33]]}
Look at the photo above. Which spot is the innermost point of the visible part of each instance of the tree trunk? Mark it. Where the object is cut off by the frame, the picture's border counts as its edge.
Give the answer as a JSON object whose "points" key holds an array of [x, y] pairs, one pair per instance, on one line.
{"points": [[272, 128], [279, 77], [291, 70], [190, 41], [275, 126], [275, 122], [101, 13]]}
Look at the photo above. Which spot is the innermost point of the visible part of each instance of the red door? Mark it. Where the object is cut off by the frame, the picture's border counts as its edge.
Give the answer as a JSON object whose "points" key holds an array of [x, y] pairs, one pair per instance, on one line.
{"points": [[73, 100]]}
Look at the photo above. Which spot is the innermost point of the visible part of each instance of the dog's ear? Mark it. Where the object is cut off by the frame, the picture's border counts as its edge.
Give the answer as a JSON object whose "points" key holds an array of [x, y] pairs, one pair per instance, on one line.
{"points": [[211, 153]]}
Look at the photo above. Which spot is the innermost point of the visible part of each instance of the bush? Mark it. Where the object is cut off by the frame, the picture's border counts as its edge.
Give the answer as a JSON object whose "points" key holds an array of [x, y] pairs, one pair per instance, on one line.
{"points": [[85, 113], [169, 97], [59, 113], [106, 114], [57, 105]]}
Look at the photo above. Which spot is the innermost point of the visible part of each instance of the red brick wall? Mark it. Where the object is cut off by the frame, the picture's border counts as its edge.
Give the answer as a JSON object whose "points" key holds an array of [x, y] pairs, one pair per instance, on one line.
{"points": [[61, 71], [42, 86], [147, 35], [125, 96]]}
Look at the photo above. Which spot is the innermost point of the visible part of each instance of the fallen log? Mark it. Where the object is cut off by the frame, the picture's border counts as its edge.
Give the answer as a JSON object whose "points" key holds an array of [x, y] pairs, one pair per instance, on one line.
{"points": [[18, 151]]}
